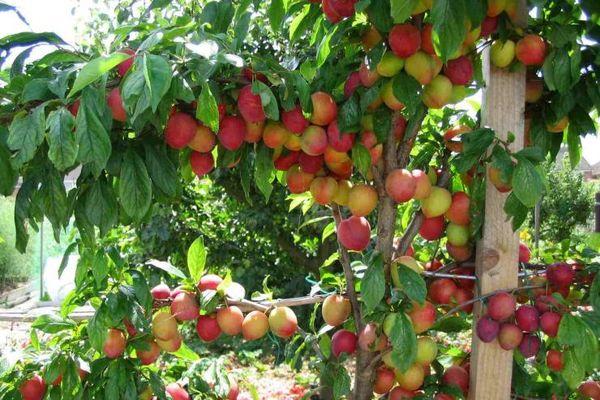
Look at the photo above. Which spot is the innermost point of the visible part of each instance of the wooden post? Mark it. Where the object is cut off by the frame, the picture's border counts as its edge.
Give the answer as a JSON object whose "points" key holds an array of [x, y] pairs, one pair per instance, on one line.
{"points": [[597, 208], [497, 253]]}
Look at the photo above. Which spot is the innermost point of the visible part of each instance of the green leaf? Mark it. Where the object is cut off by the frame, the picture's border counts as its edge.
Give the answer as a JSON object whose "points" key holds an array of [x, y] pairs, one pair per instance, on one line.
{"points": [[527, 183], [157, 73], [408, 91], [412, 284], [100, 267], [449, 28], [349, 116], [94, 69], [264, 171], [208, 110], [379, 12], [269, 102], [161, 169], [595, 293], [93, 124], [28, 38], [373, 284], [65, 258], [101, 205], [403, 340], [451, 325], [361, 158], [574, 143], [515, 209], [562, 69], [382, 124], [476, 144], [341, 383], [97, 328], [580, 122], [36, 90], [276, 13], [25, 134], [185, 353], [573, 372], [196, 259], [302, 21], [55, 203], [51, 323], [167, 267], [324, 49], [8, 176], [62, 142], [402, 9], [135, 188]]}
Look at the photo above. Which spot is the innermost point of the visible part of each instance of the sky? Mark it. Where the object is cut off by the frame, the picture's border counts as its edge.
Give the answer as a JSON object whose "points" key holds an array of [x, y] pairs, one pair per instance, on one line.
{"points": [[56, 16]]}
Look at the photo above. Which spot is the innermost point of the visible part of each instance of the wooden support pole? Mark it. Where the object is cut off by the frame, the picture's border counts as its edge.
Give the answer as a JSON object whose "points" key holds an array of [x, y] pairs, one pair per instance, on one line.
{"points": [[597, 208], [497, 253]]}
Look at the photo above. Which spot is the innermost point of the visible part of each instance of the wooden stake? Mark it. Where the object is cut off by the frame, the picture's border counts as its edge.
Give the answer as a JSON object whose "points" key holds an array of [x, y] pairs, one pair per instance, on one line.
{"points": [[497, 253]]}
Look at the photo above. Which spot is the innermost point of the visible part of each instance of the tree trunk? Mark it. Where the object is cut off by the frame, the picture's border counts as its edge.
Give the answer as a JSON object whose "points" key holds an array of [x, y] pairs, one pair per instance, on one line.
{"points": [[365, 373], [386, 227]]}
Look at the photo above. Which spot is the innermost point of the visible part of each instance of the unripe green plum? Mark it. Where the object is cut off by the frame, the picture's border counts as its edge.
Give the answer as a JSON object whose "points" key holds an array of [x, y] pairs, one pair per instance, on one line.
{"points": [[389, 65], [458, 235], [438, 202], [502, 53], [427, 350], [438, 92]]}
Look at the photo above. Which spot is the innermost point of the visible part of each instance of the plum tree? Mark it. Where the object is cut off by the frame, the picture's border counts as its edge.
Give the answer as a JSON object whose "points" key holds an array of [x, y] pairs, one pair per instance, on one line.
{"points": [[338, 100]]}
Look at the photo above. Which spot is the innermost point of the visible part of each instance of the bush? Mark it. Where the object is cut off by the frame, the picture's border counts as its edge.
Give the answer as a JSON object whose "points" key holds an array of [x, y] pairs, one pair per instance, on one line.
{"points": [[14, 266], [567, 205]]}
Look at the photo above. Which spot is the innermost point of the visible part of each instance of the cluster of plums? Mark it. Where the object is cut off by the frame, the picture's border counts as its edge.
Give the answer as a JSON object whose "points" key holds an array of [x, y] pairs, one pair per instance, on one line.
{"points": [[518, 327]]}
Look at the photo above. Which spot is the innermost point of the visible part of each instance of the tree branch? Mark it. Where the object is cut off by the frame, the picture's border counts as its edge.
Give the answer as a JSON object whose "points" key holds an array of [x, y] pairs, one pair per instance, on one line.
{"points": [[414, 125], [350, 284]]}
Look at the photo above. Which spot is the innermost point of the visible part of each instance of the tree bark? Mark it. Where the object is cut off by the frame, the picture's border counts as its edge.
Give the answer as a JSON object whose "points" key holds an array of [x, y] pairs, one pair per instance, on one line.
{"points": [[364, 376], [386, 227]]}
